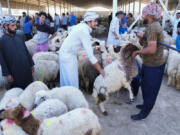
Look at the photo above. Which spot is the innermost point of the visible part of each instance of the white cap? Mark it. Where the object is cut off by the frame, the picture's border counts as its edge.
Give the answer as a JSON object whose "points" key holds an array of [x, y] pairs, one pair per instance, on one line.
{"points": [[89, 16]]}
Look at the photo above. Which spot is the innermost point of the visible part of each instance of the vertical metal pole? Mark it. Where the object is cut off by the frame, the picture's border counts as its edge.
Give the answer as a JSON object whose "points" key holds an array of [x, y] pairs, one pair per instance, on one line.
{"points": [[9, 8], [1, 12], [164, 16], [39, 5], [27, 7], [47, 5], [133, 7], [55, 6], [139, 6], [115, 3], [125, 7], [129, 8]]}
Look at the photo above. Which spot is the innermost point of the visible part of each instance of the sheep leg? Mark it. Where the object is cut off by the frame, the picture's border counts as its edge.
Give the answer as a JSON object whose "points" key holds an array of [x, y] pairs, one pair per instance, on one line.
{"points": [[178, 82], [130, 93], [102, 108]]}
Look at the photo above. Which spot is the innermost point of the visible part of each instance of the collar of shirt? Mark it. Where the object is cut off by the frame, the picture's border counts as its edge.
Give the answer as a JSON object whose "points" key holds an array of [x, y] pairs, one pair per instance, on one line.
{"points": [[89, 28]]}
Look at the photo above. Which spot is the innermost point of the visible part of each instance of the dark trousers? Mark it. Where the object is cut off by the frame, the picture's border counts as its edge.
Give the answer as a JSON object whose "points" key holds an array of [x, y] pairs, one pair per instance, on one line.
{"points": [[28, 37], [64, 27], [151, 83]]}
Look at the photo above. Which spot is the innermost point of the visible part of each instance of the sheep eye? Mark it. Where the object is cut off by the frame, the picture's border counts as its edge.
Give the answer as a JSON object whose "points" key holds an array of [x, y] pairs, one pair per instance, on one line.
{"points": [[43, 98]]}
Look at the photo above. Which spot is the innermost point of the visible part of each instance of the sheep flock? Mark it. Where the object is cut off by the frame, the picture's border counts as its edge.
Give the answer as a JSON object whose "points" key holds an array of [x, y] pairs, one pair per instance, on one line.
{"points": [[44, 108]]}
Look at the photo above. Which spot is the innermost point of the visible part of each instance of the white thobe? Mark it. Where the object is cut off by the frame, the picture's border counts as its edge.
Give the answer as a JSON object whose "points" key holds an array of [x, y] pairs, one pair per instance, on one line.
{"points": [[78, 38], [114, 27], [174, 22]]}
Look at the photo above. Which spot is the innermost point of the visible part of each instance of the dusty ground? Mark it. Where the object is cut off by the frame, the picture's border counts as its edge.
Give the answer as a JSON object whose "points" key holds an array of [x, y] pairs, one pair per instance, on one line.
{"points": [[164, 119]]}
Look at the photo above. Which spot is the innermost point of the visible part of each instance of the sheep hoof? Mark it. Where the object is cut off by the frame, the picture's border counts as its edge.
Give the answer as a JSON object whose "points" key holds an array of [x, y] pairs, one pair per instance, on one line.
{"points": [[105, 113]]}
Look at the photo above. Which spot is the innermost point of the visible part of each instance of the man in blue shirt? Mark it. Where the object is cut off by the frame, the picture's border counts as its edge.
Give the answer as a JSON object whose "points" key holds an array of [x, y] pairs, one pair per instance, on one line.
{"points": [[72, 20], [64, 21], [37, 18], [28, 29]]}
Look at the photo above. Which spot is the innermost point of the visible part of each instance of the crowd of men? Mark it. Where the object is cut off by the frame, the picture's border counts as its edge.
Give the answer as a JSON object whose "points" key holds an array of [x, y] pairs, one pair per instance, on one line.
{"points": [[26, 23]]}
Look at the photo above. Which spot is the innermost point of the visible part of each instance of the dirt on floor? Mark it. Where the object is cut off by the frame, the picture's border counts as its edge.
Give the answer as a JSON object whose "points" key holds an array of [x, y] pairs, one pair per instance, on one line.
{"points": [[163, 120]]}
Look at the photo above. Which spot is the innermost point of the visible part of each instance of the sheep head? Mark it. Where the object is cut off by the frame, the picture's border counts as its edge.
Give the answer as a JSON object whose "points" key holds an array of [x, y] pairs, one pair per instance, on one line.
{"points": [[40, 96], [15, 114]]}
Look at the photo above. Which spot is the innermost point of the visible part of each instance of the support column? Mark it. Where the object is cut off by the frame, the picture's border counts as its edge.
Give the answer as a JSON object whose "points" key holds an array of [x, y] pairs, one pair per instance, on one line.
{"points": [[27, 7], [164, 16], [47, 5], [125, 7], [133, 7], [139, 6], [115, 3], [55, 6], [9, 8], [39, 5], [129, 8], [1, 12]]}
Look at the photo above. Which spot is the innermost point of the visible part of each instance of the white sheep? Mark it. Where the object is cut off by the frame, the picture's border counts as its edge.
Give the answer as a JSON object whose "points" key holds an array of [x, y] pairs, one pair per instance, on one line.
{"points": [[45, 70], [178, 78], [49, 108], [172, 67], [10, 94], [10, 128], [31, 44], [118, 74], [80, 121], [28, 95], [70, 96]]}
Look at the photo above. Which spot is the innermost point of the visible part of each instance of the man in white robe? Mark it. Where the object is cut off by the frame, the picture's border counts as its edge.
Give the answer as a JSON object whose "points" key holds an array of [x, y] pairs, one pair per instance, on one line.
{"points": [[78, 38], [113, 36]]}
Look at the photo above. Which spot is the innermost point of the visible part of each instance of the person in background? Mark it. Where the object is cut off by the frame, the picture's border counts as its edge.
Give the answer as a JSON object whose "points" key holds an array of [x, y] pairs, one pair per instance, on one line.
{"points": [[178, 37], [68, 17], [64, 21], [57, 24], [175, 24], [43, 32], [130, 19], [26, 19], [72, 19], [48, 19], [153, 61], [124, 21], [36, 18], [113, 36], [109, 19], [22, 20], [16, 63], [28, 30], [78, 38]]}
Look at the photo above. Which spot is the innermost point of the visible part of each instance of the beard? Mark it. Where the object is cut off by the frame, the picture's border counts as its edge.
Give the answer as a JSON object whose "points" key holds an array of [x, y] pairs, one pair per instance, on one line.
{"points": [[13, 32]]}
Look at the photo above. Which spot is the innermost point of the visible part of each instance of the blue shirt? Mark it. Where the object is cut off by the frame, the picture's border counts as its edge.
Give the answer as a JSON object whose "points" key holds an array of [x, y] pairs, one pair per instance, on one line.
{"points": [[178, 42], [37, 20], [122, 30], [124, 20], [73, 20], [64, 20], [28, 28], [47, 21]]}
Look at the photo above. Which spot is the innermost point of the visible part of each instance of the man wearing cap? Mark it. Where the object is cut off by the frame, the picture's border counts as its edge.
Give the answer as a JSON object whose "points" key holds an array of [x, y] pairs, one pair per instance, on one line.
{"points": [[16, 63], [113, 36], [78, 38]]}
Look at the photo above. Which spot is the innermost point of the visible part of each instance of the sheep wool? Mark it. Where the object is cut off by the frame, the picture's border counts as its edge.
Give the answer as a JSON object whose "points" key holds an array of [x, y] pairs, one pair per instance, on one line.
{"points": [[70, 96], [28, 95], [45, 70], [31, 44], [10, 128], [49, 108], [10, 94], [80, 121]]}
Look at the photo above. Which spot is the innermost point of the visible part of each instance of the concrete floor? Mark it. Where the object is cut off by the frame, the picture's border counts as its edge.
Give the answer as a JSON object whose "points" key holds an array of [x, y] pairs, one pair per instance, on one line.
{"points": [[164, 119]]}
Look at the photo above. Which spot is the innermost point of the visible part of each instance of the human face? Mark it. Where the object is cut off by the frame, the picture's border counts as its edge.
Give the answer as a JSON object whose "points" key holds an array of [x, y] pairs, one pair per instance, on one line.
{"points": [[11, 28], [120, 16], [93, 24], [42, 19]]}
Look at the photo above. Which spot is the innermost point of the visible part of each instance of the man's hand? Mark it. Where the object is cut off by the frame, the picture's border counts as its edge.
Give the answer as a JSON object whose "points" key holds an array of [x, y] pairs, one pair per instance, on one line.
{"points": [[140, 35], [134, 54], [32, 69], [102, 72], [9, 78]]}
